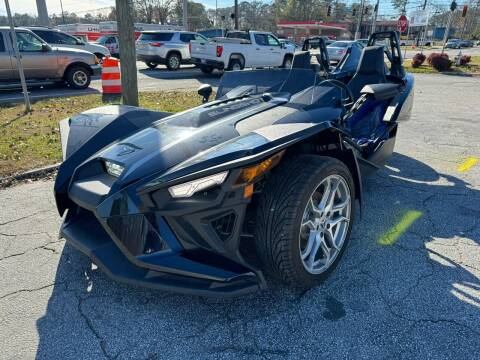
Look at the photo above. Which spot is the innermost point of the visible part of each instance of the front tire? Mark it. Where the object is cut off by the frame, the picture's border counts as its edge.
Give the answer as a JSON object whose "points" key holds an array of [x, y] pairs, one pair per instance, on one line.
{"points": [[78, 77], [287, 62], [173, 61], [206, 69], [151, 65], [294, 214]]}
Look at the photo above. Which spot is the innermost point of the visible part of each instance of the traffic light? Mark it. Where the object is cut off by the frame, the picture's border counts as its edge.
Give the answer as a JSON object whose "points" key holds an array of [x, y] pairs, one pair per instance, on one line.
{"points": [[453, 5], [232, 16], [329, 10], [366, 10], [464, 11], [354, 11]]}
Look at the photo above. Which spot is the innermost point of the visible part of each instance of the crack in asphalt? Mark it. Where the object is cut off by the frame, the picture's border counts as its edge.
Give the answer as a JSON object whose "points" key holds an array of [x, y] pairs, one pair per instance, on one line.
{"points": [[24, 217], [42, 247], [30, 290]]}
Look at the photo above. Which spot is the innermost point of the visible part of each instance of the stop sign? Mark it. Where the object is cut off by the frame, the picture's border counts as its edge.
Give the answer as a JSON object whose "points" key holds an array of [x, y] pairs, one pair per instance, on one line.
{"points": [[402, 23]]}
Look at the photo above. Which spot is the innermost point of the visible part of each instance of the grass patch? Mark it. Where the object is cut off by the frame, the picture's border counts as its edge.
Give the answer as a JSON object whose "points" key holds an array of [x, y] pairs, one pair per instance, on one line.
{"points": [[473, 68], [33, 140]]}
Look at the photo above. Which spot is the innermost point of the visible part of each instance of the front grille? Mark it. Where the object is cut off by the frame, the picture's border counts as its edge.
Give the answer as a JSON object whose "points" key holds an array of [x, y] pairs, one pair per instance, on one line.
{"points": [[224, 225]]}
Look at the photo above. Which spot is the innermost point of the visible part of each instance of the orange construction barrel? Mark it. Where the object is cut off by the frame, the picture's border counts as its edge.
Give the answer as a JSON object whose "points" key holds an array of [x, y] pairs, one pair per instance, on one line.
{"points": [[111, 81]]}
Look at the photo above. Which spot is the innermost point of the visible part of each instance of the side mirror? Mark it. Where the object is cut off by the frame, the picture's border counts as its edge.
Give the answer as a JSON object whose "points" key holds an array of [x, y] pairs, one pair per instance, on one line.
{"points": [[46, 47], [205, 91]]}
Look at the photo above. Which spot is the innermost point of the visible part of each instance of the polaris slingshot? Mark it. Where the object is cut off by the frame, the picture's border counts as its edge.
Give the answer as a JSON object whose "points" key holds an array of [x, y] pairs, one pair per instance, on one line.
{"points": [[262, 180]]}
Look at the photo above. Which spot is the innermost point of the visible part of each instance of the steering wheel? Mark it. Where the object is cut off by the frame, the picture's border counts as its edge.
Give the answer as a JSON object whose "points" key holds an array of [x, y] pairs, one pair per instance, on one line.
{"points": [[349, 100]]}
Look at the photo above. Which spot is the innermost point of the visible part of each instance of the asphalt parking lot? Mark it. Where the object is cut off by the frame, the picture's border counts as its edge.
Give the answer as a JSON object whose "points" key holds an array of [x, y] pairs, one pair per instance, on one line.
{"points": [[408, 285], [187, 78]]}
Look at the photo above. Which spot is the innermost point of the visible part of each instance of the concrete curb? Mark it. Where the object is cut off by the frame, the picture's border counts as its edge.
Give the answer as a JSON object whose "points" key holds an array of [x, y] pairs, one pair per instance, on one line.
{"points": [[30, 174]]}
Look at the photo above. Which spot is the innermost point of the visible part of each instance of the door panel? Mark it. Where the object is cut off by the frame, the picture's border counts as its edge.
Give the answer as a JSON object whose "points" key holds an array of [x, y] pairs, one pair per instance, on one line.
{"points": [[276, 55], [262, 53], [37, 64], [6, 69]]}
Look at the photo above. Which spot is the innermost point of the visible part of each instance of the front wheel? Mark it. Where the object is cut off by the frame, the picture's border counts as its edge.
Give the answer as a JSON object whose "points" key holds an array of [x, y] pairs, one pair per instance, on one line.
{"points": [[151, 65], [235, 65], [206, 69], [78, 77], [304, 219], [173, 61], [287, 62]]}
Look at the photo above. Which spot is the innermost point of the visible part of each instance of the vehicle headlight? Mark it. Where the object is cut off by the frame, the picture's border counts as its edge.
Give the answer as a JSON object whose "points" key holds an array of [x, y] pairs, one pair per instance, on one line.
{"points": [[187, 189], [113, 169]]}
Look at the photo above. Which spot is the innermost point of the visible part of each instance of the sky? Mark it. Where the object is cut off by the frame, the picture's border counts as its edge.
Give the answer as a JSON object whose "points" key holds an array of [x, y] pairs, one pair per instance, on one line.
{"points": [[53, 6], [82, 6]]}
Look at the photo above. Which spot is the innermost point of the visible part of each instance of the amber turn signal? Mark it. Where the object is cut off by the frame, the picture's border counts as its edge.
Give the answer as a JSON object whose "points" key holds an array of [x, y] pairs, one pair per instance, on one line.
{"points": [[249, 174]]}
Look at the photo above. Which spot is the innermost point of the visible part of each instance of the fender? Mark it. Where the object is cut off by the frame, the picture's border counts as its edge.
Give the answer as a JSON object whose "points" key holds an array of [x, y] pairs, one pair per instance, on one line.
{"points": [[85, 134]]}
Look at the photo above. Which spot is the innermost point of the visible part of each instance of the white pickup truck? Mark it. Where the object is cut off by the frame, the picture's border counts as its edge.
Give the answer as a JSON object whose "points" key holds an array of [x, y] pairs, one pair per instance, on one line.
{"points": [[240, 49]]}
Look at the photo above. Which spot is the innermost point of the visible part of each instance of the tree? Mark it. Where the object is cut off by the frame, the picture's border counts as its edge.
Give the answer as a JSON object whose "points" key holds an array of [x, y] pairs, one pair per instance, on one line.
{"points": [[400, 5], [154, 11], [198, 17]]}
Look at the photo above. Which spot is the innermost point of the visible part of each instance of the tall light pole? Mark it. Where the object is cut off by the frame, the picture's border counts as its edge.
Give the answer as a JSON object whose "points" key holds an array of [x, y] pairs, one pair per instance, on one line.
{"points": [[63, 15], [17, 56], [236, 14], [42, 13], [359, 20], [374, 21], [453, 7]]}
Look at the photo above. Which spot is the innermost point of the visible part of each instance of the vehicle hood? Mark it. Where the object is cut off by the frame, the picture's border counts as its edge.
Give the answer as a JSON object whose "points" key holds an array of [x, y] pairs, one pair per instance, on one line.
{"points": [[179, 138], [72, 51]]}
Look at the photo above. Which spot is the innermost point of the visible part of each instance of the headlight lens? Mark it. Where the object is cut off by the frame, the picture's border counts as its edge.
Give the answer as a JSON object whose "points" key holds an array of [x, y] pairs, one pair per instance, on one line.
{"points": [[187, 189], [113, 168]]}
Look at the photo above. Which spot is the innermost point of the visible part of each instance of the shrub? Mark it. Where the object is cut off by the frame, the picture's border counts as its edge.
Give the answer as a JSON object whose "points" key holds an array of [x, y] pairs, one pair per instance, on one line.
{"points": [[441, 62], [465, 59], [418, 60], [434, 55]]}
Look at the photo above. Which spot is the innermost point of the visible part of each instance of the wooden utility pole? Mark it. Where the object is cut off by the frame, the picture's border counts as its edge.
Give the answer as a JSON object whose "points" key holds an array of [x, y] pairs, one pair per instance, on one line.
{"points": [[18, 58], [185, 14], [128, 64]]}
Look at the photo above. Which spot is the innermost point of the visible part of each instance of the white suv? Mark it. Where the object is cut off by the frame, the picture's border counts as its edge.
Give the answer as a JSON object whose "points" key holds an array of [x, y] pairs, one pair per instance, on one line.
{"points": [[165, 47], [56, 37]]}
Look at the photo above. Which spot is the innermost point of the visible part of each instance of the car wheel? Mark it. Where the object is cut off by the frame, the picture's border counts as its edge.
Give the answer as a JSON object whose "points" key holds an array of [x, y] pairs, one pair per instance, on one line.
{"points": [[287, 62], [78, 77], [151, 65], [304, 218], [206, 69], [173, 61], [235, 65]]}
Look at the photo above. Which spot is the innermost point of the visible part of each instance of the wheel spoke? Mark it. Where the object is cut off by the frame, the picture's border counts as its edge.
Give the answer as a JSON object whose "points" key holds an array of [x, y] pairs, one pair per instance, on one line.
{"points": [[329, 235], [326, 194], [313, 253], [311, 241], [314, 209], [336, 221], [309, 224], [340, 206], [326, 251]]}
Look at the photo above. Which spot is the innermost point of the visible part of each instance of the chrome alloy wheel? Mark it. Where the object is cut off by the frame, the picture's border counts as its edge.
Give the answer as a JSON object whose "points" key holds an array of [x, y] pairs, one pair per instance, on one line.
{"points": [[80, 78], [325, 224], [174, 62]]}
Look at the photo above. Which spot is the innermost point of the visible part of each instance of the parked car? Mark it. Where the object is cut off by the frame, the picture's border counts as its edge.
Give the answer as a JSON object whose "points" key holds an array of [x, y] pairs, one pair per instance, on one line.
{"points": [[364, 42], [166, 47], [338, 49], [240, 49], [55, 37], [466, 43], [43, 63], [264, 180], [453, 44], [290, 43], [111, 42]]}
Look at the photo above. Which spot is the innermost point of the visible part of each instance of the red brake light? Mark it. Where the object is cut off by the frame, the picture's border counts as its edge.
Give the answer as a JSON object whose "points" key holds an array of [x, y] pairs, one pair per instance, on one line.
{"points": [[219, 50], [156, 44]]}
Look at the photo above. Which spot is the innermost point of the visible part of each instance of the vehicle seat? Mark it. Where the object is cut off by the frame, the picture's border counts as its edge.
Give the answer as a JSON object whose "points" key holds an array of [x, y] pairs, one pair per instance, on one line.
{"points": [[301, 60], [370, 70]]}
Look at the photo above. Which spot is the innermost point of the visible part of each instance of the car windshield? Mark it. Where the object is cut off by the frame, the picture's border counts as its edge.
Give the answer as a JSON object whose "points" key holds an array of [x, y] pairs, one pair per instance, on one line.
{"points": [[340, 44]]}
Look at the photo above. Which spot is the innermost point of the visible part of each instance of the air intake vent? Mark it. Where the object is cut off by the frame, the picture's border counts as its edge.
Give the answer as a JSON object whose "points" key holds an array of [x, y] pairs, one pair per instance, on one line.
{"points": [[224, 225]]}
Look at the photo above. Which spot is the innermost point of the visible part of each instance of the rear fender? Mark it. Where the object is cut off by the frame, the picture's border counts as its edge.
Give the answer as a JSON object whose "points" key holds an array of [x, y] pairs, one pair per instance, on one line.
{"points": [[85, 134], [401, 105]]}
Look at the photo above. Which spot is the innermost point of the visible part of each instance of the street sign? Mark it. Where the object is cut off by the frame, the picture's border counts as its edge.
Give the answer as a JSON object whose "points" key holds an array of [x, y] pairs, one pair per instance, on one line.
{"points": [[402, 23], [419, 18]]}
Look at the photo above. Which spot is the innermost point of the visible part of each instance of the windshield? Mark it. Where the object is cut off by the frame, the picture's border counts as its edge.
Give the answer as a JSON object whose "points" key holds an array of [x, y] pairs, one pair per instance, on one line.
{"points": [[340, 44]]}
